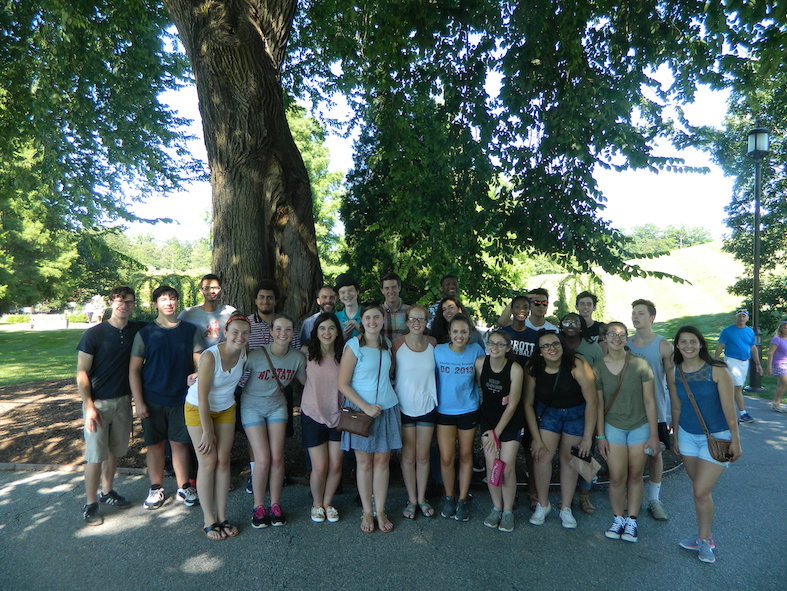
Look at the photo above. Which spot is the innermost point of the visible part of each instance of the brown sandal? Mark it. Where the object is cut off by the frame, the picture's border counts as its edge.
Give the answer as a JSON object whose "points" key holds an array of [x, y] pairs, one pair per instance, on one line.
{"points": [[367, 523], [386, 526], [585, 504]]}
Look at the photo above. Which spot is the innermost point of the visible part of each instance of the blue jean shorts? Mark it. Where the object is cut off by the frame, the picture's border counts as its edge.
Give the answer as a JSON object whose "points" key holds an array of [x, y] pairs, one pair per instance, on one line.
{"points": [[696, 446], [627, 436], [570, 421]]}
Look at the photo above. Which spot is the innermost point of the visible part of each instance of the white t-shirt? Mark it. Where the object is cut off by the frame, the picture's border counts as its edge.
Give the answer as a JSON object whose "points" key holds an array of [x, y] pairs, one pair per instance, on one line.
{"points": [[416, 383]]}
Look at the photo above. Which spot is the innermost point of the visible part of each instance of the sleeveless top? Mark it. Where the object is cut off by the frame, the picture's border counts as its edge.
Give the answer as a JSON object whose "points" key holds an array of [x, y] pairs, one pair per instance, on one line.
{"points": [[495, 389], [558, 390], [371, 376], [652, 354], [321, 397], [222, 390], [706, 393], [416, 383]]}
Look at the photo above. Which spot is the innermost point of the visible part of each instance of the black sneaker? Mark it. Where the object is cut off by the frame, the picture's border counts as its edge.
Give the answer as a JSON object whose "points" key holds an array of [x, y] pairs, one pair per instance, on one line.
{"points": [[277, 516], [449, 508], [249, 486], [114, 500], [259, 518], [462, 510], [90, 514]]}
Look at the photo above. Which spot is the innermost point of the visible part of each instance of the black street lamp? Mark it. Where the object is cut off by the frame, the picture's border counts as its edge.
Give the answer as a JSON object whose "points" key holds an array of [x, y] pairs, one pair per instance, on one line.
{"points": [[758, 149]]}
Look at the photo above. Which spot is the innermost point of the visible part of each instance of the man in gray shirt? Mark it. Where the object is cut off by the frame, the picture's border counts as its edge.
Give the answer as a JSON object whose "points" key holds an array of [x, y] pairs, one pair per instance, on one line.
{"points": [[210, 316]]}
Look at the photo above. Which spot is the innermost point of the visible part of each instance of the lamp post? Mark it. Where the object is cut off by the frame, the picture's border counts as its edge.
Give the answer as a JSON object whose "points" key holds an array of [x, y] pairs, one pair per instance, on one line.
{"points": [[757, 149]]}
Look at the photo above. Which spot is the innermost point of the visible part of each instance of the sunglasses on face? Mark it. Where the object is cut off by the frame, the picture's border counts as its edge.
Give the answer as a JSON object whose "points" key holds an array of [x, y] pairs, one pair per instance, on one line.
{"points": [[539, 302]]}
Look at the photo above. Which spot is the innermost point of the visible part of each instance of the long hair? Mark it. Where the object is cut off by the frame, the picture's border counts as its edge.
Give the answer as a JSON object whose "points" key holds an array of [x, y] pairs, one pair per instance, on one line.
{"points": [[315, 349], [776, 332], [440, 325], [704, 354], [536, 365], [381, 340]]}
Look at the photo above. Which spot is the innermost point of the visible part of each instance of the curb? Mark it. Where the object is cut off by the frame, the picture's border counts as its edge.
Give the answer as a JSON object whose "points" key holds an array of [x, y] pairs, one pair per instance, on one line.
{"points": [[4, 467]]}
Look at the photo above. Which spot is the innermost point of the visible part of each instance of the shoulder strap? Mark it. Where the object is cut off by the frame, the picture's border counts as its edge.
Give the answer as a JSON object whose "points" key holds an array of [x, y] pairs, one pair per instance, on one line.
{"points": [[620, 383], [691, 399], [273, 369]]}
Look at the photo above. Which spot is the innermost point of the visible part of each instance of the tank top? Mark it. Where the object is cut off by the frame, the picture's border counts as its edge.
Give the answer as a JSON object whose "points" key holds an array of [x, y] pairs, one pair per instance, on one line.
{"points": [[558, 390], [321, 397], [495, 389], [652, 354], [222, 390], [416, 383], [706, 393]]}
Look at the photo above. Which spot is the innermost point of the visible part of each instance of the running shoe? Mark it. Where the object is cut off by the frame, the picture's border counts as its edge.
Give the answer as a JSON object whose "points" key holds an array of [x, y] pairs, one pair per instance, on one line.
{"points": [[156, 498], [493, 519], [567, 518], [277, 516], [693, 543], [540, 514], [114, 500], [249, 487], [629, 530], [506, 522], [462, 510], [259, 518], [90, 514], [705, 552], [656, 510], [449, 507], [744, 417], [616, 529], [188, 495]]}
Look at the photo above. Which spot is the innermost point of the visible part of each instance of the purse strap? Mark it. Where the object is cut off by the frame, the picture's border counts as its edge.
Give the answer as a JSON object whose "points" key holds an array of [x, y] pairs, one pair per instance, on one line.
{"points": [[497, 443], [620, 383], [693, 402], [273, 369]]}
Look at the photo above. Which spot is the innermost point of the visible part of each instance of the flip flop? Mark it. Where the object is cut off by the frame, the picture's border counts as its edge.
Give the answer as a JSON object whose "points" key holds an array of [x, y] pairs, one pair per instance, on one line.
{"points": [[409, 510], [229, 530], [214, 528], [367, 523], [426, 509], [385, 524]]}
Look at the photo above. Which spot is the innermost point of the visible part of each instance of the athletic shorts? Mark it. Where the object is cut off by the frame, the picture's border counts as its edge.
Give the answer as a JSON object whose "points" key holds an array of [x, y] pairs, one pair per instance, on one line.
{"points": [[191, 413], [463, 422], [112, 436], [314, 434], [165, 423], [427, 420]]}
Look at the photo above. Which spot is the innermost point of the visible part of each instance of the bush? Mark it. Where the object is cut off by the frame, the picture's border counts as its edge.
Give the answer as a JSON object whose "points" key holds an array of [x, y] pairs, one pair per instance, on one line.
{"points": [[78, 317], [16, 319]]}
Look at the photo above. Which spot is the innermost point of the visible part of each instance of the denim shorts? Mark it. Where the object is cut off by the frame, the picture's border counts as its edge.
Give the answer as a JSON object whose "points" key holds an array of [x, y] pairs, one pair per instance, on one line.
{"points": [[427, 420], [696, 446], [570, 421], [627, 436], [258, 410]]}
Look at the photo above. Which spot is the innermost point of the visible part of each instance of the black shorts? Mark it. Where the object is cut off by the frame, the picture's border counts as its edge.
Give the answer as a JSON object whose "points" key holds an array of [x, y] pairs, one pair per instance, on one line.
{"points": [[664, 435], [463, 422], [314, 434], [510, 433], [165, 423], [427, 420]]}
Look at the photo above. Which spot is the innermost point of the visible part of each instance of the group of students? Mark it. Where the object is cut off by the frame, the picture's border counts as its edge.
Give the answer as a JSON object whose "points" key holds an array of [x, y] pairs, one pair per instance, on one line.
{"points": [[418, 371]]}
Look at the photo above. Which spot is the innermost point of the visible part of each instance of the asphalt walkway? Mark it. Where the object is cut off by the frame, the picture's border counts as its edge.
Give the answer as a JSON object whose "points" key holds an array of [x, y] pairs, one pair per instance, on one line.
{"points": [[43, 544]]}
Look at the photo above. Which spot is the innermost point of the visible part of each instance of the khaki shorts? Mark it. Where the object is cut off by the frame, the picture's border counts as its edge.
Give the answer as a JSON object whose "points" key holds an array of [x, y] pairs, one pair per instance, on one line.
{"points": [[112, 436], [191, 413]]}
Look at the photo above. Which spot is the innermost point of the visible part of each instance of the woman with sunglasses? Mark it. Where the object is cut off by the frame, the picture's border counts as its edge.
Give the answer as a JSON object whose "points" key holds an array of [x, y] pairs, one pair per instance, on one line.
{"points": [[501, 420], [560, 408], [626, 429], [416, 388]]}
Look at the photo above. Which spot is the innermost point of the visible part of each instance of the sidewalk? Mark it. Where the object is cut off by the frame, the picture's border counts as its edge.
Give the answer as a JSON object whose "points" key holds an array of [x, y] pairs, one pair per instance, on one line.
{"points": [[45, 546]]}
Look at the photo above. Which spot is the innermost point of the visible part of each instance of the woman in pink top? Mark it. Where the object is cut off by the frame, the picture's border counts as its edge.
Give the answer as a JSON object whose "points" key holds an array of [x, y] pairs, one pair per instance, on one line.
{"points": [[777, 363], [320, 414]]}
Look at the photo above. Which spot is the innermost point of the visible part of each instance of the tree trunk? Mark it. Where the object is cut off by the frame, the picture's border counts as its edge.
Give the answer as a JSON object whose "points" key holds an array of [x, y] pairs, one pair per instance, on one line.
{"points": [[263, 224]]}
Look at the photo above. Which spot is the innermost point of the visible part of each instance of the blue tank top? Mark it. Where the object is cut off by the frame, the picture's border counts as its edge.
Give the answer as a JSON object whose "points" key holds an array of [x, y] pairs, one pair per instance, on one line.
{"points": [[706, 393]]}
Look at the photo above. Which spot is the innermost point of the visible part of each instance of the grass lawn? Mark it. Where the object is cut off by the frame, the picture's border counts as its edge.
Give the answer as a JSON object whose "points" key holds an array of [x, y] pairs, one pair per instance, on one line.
{"points": [[31, 355]]}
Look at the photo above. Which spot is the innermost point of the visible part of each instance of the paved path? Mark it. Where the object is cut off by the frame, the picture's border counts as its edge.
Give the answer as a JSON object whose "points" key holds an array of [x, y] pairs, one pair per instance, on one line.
{"points": [[44, 546]]}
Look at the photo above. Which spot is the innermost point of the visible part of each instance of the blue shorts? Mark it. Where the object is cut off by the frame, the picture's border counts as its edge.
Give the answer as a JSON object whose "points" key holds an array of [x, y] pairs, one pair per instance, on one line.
{"points": [[696, 446], [263, 411], [627, 437], [463, 422], [570, 421], [314, 434], [427, 420]]}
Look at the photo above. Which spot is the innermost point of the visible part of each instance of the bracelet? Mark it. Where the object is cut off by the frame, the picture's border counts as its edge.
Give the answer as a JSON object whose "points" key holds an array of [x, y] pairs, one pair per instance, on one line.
{"points": [[601, 436]]}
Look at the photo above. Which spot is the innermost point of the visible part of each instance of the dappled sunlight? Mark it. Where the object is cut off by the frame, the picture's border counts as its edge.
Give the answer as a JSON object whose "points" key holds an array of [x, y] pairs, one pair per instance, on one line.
{"points": [[201, 564]]}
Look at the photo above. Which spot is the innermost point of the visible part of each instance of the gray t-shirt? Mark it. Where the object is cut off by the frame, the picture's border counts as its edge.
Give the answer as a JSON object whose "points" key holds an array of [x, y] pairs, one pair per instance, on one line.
{"points": [[262, 381], [210, 325]]}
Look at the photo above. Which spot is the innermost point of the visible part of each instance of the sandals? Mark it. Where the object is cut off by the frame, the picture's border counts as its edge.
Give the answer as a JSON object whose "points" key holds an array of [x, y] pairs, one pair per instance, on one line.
{"points": [[214, 532], [409, 510], [426, 509], [229, 530], [385, 524], [367, 523], [585, 504]]}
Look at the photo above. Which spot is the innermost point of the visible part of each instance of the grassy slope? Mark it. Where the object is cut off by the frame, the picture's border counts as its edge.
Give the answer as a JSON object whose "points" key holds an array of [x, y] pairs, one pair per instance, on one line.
{"points": [[30, 356]]}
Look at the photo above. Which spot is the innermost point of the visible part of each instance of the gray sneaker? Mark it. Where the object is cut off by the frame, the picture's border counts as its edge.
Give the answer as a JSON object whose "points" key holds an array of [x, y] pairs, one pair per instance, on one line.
{"points": [[705, 552], [693, 543], [449, 507], [493, 519], [462, 510], [656, 510], [506, 522]]}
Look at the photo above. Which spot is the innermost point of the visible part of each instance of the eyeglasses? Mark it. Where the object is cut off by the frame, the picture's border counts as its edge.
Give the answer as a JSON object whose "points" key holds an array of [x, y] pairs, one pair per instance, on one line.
{"points": [[539, 302], [496, 344], [567, 323], [553, 345], [617, 336], [416, 320]]}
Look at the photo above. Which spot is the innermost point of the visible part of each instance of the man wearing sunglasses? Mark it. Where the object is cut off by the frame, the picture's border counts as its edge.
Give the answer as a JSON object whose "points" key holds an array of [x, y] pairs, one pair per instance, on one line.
{"points": [[539, 304]]}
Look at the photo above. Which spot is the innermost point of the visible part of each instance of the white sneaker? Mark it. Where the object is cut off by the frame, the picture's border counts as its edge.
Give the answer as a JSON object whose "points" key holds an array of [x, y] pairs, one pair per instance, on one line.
{"points": [[540, 514], [156, 498], [567, 518], [188, 496]]}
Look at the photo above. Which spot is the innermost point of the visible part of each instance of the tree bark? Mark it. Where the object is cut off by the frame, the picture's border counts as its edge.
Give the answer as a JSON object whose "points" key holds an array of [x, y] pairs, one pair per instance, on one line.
{"points": [[263, 224]]}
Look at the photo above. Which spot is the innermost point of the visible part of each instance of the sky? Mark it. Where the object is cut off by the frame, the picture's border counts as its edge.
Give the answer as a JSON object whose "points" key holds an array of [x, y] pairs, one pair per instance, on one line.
{"points": [[634, 198]]}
